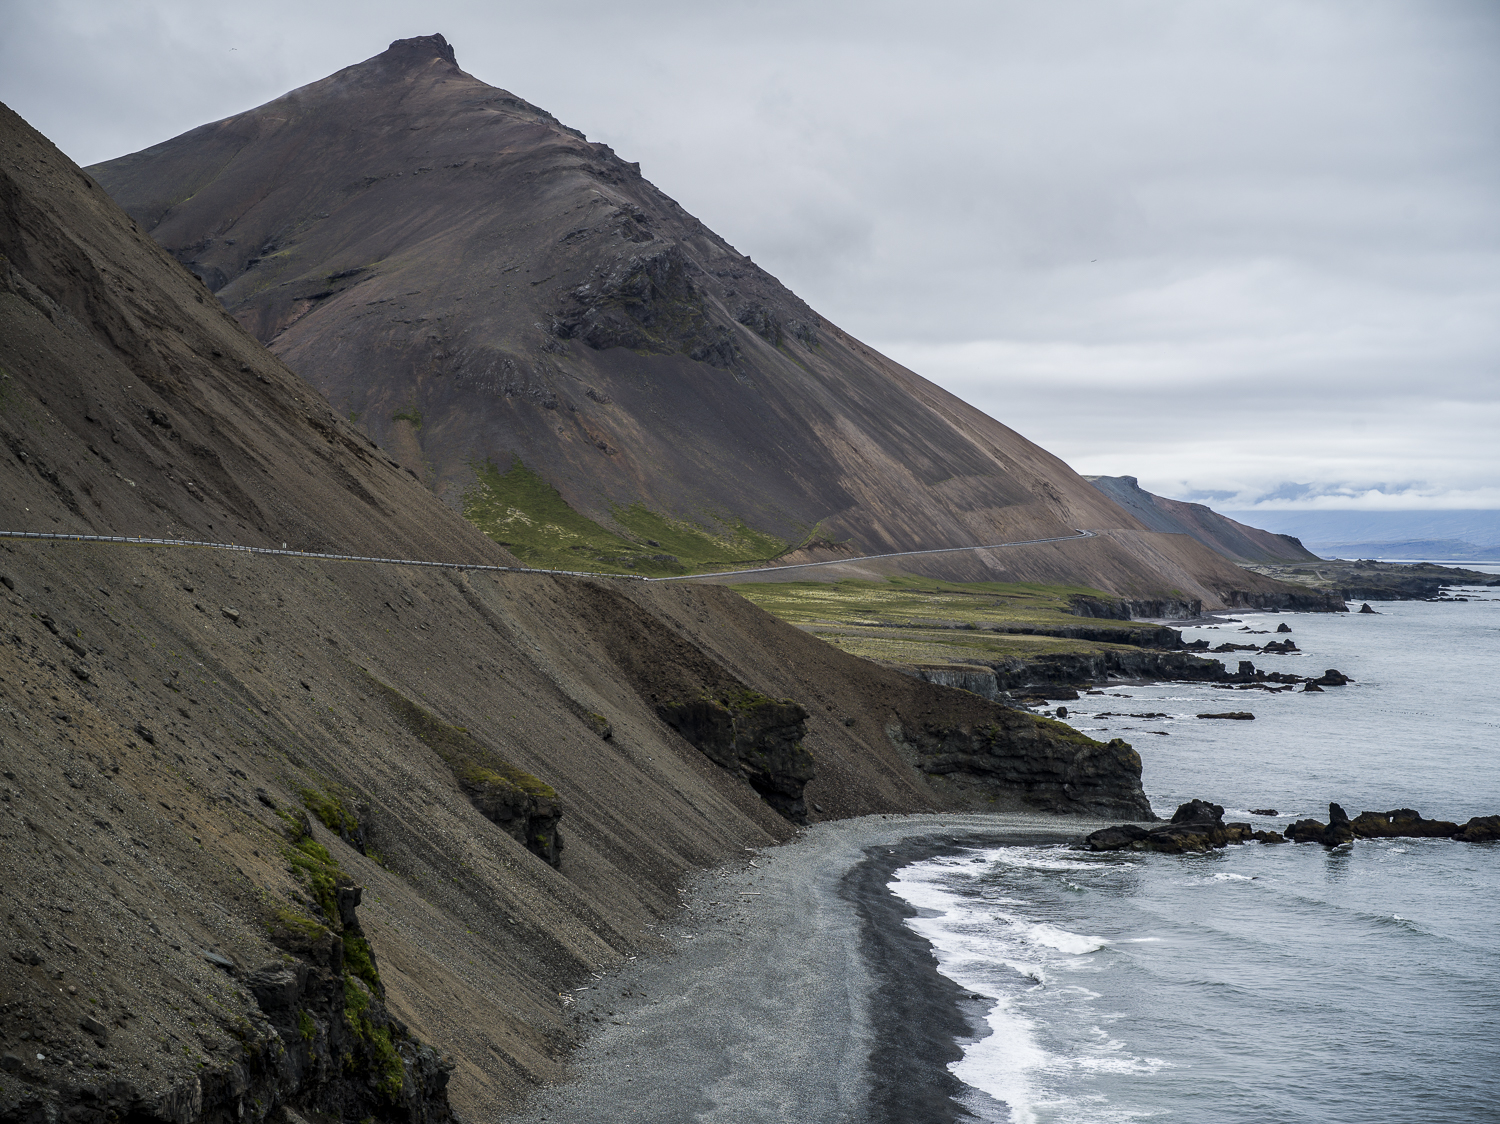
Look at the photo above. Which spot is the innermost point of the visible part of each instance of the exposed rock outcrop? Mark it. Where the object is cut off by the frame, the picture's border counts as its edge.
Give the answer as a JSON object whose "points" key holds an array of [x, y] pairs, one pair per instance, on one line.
{"points": [[980, 681], [1296, 600], [1480, 829], [319, 1040], [754, 737], [647, 303], [1168, 609], [1049, 765]]}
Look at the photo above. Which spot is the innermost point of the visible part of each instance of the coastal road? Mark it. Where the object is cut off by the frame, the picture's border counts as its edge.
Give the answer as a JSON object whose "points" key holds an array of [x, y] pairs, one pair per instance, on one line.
{"points": [[128, 540], [869, 558]]}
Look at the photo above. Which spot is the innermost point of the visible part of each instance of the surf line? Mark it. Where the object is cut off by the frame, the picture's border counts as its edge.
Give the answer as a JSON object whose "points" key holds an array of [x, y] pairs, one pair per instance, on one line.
{"points": [[136, 540]]}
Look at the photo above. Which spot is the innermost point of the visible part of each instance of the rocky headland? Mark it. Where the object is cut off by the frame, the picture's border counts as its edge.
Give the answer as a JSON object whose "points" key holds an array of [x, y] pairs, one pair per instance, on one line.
{"points": [[1369, 580]]}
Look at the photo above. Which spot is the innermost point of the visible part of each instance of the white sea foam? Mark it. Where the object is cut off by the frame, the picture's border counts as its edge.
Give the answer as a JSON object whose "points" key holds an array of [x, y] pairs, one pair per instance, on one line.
{"points": [[1075, 944], [1029, 968]]}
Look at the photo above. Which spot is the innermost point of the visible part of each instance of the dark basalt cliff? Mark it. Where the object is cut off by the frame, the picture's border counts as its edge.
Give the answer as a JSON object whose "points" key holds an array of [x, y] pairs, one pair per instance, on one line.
{"points": [[209, 758], [478, 283]]}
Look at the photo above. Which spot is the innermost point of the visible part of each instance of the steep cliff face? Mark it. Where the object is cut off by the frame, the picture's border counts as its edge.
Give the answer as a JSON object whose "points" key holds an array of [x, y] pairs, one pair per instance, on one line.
{"points": [[479, 284], [1007, 764], [210, 758]]}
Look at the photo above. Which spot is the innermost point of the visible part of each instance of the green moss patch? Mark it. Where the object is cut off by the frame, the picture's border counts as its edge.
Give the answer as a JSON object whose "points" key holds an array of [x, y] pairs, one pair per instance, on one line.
{"points": [[528, 516], [320, 872], [331, 811]]}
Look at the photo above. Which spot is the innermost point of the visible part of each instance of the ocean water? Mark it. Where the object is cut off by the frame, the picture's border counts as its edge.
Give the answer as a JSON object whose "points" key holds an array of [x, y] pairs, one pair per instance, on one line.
{"points": [[1265, 983]]}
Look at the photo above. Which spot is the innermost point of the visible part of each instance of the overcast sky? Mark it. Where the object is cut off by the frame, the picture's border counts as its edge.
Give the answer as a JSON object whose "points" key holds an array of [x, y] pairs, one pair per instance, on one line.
{"points": [[1246, 250]]}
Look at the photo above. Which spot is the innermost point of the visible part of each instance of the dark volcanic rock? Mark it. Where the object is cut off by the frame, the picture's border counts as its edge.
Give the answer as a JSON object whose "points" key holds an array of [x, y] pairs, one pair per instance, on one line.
{"points": [[1283, 627], [1115, 838], [1198, 811], [1401, 823], [1480, 829], [525, 807], [1365, 608], [1336, 831], [1048, 764], [1234, 715], [754, 737], [1196, 826], [1332, 678]]}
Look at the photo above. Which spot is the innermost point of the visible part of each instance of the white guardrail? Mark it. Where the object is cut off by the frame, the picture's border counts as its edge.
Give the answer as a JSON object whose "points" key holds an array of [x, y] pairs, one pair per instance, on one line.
{"points": [[130, 540]]}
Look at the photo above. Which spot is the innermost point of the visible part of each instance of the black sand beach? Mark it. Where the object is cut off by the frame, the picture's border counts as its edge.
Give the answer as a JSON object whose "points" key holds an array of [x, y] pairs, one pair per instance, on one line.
{"points": [[793, 992]]}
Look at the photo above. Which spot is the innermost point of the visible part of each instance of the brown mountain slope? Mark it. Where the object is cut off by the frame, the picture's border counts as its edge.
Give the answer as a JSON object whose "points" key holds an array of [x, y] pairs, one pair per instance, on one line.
{"points": [[476, 282], [201, 752], [1219, 533]]}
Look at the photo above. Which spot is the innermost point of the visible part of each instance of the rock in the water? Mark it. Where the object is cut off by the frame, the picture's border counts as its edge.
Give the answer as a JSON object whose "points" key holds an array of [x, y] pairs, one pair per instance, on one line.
{"points": [[1306, 831], [1196, 826], [1311, 686], [1236, 715], [1062, 712], [1401, 823], [1198, 811], [1114, 838], [1340, 830], [1337, 831], [1332, 678], [1283, 627], [1264, 812], [1365, 608], [1480, 829]]}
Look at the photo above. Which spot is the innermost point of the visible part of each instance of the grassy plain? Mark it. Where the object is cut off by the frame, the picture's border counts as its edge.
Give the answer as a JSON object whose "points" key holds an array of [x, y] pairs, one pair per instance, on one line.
{"points": [[926, 621]]}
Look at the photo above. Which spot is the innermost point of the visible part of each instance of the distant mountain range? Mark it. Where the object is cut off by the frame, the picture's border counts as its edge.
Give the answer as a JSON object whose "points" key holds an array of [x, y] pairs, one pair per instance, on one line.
{"points": [[1472, 535], [561, 352]]}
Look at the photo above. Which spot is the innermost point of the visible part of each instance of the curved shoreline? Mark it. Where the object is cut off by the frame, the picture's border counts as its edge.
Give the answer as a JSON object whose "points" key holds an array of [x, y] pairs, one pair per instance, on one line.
{"points": [[793, 990]]}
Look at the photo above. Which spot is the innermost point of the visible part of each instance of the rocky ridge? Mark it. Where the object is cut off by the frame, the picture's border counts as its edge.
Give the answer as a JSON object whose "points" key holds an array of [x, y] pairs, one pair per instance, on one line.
{"points": [[480, 285]]}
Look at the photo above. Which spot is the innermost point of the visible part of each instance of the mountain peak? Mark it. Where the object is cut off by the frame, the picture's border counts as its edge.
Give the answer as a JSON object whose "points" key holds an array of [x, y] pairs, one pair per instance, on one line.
{"points": [[421, 48]]}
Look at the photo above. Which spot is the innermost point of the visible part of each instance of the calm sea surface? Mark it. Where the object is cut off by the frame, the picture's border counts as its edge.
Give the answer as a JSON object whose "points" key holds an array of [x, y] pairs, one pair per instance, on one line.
{"points": [[1258, 983]]}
